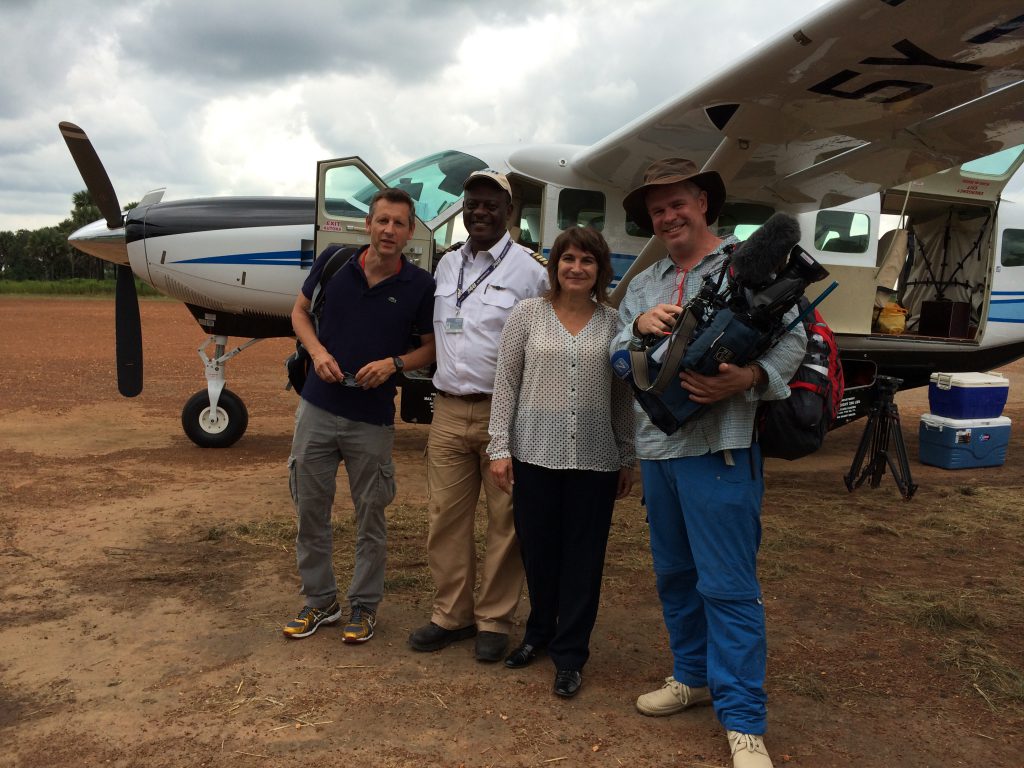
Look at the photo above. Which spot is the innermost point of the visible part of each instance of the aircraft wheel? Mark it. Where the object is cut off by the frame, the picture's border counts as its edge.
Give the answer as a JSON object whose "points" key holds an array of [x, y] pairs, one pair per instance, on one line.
{"points": [[232, 419]]}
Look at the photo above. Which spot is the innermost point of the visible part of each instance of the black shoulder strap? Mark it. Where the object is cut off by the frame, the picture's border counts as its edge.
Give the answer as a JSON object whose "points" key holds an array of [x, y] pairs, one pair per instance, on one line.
{"points": [[336, 256]]}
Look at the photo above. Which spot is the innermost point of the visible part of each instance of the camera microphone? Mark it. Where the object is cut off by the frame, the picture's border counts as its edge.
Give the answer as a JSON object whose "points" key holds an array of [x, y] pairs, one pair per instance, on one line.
{"points": [[762, 255], [622, 365]]}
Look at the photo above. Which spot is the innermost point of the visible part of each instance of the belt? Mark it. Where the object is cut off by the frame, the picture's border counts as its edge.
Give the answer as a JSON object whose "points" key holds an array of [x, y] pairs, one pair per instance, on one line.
{"points": [[472, 397]]}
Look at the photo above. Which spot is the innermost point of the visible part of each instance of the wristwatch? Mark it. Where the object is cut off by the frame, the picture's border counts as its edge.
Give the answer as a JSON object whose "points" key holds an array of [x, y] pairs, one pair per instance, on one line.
{"points": [[399, 364], [637, 342]]}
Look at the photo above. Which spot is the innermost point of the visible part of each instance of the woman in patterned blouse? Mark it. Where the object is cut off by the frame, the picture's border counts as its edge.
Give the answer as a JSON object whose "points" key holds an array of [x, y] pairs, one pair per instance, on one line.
{"points": [[562, 444]]}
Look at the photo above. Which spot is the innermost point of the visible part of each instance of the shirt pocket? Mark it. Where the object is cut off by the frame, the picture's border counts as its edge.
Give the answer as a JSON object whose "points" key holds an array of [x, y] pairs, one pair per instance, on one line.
{"points": [[444, 303], [495, 306]]}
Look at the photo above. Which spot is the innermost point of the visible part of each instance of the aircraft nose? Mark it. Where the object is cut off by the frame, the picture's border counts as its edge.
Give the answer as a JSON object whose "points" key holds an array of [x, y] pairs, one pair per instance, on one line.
{"points": [[97, 240]]}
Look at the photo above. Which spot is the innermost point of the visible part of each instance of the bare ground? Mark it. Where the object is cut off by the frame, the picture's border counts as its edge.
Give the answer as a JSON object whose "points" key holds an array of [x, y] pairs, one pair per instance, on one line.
{"points": [[144, 582]]}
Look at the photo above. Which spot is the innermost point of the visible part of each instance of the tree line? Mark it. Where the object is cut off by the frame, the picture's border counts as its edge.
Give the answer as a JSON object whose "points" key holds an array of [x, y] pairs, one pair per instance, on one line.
{"points": [[45, 254]]}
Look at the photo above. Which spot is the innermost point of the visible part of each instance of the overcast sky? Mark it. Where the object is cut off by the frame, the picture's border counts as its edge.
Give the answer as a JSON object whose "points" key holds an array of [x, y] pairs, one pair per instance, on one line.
{"points": [[219, 98]]}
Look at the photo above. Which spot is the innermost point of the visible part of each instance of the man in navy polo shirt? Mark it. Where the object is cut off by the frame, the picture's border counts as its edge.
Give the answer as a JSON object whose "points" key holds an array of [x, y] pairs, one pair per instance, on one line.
{"points": [[372, 306]]}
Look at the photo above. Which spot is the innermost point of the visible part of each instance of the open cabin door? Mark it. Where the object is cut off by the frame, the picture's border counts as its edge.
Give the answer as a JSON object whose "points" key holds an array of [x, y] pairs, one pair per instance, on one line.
{"points": [[947, 282], [344, 188]]}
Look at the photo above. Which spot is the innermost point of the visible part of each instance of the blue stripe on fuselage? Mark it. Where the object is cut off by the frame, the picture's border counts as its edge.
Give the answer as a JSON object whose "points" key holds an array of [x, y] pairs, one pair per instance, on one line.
{"points": [[1009, 310], [269, 259]]}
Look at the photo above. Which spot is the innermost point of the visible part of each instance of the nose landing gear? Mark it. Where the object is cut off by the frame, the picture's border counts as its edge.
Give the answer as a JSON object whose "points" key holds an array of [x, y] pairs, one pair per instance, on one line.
{"points": [[216, 417]]}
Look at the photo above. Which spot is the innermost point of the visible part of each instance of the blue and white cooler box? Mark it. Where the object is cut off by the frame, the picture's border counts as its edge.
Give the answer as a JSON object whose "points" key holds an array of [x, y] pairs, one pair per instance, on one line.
{"points": [[967, 395], [963, 443]]}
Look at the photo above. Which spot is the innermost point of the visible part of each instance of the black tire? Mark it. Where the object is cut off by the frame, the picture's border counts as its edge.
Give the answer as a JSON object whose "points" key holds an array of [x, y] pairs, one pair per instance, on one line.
{"points": [[195, 419]]}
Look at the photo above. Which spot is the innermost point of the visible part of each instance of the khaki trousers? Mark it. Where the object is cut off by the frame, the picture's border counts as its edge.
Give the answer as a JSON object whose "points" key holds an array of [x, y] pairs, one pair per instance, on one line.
{"points": [[457, 465]]}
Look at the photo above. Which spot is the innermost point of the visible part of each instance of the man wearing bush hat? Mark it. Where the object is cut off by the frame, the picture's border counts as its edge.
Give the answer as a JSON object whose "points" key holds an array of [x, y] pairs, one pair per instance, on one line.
{"points": [[703, 484]]}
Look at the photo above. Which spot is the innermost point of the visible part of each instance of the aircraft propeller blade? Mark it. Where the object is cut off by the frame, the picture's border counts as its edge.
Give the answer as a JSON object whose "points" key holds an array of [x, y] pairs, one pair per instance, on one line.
{"points": [[93, 174], [128, 328]]}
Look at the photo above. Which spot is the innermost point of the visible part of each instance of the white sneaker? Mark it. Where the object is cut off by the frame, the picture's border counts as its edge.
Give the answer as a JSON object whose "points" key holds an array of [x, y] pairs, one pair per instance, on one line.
{"points": [[748, 750], [672, 697]]}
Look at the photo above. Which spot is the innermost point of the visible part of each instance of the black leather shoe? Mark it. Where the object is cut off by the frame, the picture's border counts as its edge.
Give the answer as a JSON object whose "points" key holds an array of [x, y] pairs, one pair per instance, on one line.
{"points": [[522, 656], [568, 682], [431, 637], [491, 646]]}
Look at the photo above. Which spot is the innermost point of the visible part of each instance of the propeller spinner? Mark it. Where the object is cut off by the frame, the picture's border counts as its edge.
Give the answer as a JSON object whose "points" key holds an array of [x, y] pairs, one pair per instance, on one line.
{"points": [[128, 326]]}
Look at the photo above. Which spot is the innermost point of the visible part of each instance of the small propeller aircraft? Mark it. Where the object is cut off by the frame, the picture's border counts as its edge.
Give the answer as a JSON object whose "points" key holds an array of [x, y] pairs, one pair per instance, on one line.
{"points": [[867, 111]]}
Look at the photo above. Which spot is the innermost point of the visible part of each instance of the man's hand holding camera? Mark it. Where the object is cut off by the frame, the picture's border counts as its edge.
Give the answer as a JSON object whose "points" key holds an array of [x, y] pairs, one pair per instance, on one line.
{"points": [[730, 380], [658, 321]]}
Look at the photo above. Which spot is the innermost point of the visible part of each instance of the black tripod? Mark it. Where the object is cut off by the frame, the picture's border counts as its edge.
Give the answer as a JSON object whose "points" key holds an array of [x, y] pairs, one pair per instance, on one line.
{"points": [[882, 428]]}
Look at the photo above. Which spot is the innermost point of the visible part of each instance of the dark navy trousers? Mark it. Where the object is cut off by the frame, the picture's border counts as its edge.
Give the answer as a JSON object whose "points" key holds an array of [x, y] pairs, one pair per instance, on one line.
{"points": [[562, 519]]}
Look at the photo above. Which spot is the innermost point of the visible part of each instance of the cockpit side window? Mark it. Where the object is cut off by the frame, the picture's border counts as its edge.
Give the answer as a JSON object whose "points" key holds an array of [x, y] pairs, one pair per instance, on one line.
{"points": [[433, 182]]}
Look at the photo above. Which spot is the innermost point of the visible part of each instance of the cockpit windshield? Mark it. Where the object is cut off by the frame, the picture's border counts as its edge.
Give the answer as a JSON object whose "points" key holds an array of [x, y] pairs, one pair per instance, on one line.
{"points": [[433, 182]]}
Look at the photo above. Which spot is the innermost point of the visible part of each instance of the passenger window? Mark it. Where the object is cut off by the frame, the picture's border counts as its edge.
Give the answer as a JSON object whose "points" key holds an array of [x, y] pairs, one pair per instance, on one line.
{"points": [[842, 232], [1012, 251], [581, 208]]}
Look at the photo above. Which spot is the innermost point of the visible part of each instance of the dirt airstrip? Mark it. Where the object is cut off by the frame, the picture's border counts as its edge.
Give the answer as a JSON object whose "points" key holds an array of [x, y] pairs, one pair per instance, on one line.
{"points": [[143, 583]]}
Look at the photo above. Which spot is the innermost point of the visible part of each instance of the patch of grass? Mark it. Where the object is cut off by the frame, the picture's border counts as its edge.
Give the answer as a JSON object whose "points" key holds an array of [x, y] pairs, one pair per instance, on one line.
{"points": [[266, 532], [879, 529], [957, 614], [988, 674], [805, 684], [417, 581], [215, 533], [939, 613]]}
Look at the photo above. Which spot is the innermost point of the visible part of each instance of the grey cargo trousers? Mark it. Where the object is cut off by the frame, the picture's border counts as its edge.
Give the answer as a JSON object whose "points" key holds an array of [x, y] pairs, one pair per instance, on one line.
{"points": [[321, 442]]}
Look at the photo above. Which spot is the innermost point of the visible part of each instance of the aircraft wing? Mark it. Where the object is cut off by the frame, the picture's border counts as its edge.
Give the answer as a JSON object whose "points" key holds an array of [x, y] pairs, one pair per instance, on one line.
{"points": [[864, 95]]}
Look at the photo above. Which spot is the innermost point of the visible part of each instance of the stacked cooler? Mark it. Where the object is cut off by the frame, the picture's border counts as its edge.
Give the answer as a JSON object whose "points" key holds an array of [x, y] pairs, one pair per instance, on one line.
{"points": [[966, 427]]}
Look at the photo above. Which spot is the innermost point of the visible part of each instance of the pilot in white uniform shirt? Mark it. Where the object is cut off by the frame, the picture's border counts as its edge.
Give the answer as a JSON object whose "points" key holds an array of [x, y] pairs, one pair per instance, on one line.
{"points": [[467, 354]]}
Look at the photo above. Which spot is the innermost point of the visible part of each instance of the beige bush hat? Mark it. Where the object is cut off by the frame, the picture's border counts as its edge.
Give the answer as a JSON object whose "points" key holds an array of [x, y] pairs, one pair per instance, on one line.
{"points": [[673, 170]]}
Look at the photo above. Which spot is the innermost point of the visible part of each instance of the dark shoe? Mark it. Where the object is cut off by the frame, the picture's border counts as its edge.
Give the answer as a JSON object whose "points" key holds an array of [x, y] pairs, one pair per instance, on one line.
{"points": [[431, 637], [568, 682], [522, 656], [491, 646]]}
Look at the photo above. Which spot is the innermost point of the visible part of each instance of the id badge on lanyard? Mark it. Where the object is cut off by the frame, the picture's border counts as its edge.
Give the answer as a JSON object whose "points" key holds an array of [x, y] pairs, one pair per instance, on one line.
{"points": [[457, 324]]}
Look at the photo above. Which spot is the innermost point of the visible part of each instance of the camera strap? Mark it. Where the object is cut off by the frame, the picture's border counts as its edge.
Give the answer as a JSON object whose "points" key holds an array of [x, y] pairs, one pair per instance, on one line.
{"points": [[677, 345], [682, 333]]}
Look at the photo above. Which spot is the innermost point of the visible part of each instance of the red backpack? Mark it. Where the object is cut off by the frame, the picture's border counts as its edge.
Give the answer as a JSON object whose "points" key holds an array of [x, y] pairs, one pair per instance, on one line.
{"points": [[795, 427]]}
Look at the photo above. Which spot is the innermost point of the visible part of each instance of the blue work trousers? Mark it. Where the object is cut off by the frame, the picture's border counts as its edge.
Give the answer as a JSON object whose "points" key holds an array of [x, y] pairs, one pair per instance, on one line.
{"points": [[705, 525]]}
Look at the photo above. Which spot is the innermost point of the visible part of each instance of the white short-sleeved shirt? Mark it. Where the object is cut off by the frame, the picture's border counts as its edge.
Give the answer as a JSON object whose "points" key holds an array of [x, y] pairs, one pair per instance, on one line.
{"points": [[466, 361]]}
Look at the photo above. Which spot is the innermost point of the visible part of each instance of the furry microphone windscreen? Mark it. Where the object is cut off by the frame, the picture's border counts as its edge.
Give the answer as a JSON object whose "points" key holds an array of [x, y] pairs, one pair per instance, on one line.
{"points": [[764, 253]]}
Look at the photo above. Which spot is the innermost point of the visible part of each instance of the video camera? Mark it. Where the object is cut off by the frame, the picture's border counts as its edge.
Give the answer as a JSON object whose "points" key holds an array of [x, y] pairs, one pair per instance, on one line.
{"points": [[737, 315]]}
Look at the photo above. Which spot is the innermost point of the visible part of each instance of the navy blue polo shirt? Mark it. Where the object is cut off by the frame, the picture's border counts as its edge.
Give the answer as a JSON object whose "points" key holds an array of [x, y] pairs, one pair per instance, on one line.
{"points": [[360, 324]]}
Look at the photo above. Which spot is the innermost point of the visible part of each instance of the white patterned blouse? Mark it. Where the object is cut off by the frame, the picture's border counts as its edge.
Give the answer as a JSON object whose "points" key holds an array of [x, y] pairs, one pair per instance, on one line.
{"points": [[556, 401]]}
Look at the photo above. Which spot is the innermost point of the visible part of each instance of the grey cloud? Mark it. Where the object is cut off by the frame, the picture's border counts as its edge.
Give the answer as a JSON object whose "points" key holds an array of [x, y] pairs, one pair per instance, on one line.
{"points": [[270, 41]]}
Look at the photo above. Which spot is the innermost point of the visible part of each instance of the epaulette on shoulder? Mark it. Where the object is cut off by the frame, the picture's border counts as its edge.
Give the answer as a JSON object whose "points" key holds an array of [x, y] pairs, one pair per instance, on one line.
{"points": [[542, 260], [453, 247]]}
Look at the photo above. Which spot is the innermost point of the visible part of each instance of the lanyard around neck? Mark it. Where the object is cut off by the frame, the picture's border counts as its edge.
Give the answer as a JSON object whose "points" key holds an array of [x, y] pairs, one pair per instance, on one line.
{"points": [[461, 295]]}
